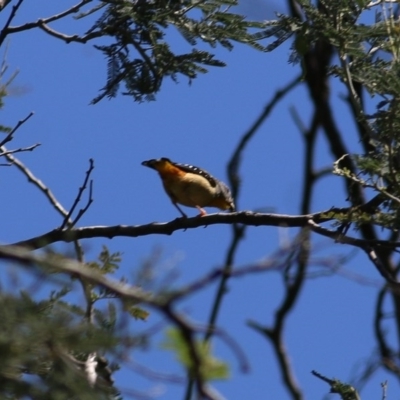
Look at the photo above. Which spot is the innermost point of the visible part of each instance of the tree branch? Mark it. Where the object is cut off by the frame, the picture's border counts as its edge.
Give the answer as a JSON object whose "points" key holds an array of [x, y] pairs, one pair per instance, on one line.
{"points": [[13, 13], [234, 180], [9, 137], [20, 150], [78, 198], [167, 228], [37, 182], [42, 23]]}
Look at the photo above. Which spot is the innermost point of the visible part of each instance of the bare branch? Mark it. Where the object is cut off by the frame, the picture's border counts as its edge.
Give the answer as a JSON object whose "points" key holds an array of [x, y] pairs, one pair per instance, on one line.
{"points": [[50, 196], [68, 38], [297, 259], [234, 162], [20, 150], [78, 198], [55, 17], [9, 137], [74, 9], [4, 4], [366, 245], [38, 183], [380, 267], [13, 13], [88, 204], [187, 332], [384, 389], [155, 375], [42, 23], [69, 266], [283, 359], [234, 180], [377, 2], [167, 228]]}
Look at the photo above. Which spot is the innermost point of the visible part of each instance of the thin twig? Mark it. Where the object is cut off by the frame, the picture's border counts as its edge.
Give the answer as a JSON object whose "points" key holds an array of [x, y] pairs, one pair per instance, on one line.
{"points": [[68, 38], [13, 13], [377, 2], [233, 165], [78, 198], [384, 386], [88, 204], [380, 267], [9, 137], [22, 149], [47, 192], [234, 180], [298, 255], [37, 182], [234, 346], [55, 17], [354, 98], [155, 375], [42, 23]]}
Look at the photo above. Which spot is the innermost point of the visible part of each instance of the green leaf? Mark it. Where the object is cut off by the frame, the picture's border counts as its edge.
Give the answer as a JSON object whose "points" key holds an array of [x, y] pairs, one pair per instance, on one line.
{"points": [[138, 313], [108, 262], [211, 368], [139, 55]]}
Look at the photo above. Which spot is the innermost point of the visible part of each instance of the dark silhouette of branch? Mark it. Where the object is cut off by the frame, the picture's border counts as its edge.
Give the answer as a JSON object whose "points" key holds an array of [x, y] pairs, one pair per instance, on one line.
{"points": [[388, 356], [315, 64], [13, 13], [67, 38], [9, 137], [88, 204], [78, 198], [234, 180], [50, 196], [373, 256], [294, 284], [65, 265], [234, 162], [167, 228], [38, 183], [297, 259], [20, 150], [274, 263], [188, 335], [40, 23], [154, 375]]}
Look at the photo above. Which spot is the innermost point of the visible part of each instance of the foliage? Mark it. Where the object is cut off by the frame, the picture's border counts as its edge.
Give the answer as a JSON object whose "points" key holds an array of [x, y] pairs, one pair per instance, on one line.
{"points": [[211, 367], [141, 57], [34, 338], [345, 391], [51, 348], [368, 56]]}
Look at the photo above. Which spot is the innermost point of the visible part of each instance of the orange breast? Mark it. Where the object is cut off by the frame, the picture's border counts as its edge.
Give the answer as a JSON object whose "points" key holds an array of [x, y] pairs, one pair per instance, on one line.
{"points": [[170, 171]]}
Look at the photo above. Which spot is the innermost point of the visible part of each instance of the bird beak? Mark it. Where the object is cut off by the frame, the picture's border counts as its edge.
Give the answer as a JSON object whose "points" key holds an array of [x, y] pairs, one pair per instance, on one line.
{"points": [[149, 163]]}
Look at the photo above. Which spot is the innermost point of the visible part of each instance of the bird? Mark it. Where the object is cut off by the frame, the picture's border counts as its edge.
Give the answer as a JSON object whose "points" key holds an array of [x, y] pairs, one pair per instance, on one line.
{"points": [[191, 186]]}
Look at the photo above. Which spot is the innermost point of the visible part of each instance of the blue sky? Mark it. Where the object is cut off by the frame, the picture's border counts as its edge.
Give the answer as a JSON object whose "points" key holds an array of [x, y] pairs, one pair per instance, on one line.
{"points": [[330, 330]]}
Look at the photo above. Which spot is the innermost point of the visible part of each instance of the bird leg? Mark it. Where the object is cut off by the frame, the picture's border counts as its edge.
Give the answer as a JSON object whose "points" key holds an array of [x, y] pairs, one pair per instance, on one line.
{"points": [[202, 212], [183, 214]]}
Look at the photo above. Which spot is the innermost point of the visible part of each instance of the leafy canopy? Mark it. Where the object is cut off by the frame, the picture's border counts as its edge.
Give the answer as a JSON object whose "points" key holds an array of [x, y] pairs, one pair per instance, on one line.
{"points": [[140, 55], [367, 57]]}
